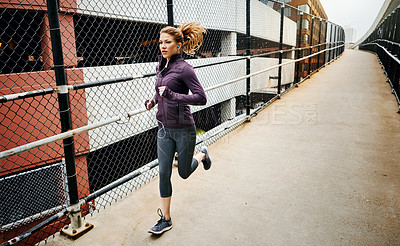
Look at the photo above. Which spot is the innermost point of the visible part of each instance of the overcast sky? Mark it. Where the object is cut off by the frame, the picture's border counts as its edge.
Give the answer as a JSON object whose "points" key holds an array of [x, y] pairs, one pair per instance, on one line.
{"points": [[360, 14]]}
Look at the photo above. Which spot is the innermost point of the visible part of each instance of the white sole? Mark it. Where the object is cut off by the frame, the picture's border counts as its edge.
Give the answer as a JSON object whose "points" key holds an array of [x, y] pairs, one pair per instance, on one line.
{"points": [[162, 231]]}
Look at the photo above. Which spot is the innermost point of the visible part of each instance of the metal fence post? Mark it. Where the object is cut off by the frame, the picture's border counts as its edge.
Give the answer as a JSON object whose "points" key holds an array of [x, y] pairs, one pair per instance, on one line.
{"points": [[386, 26], [389, 46], [330, 44], [391, 32], [76, 228], [311, 44], [335, 42], [299, 48], [344, 40], [339, 34], [325, 40], [319, 42], [280, 48], [248, 47], [396, 33], [170, 12], [340, 40]]}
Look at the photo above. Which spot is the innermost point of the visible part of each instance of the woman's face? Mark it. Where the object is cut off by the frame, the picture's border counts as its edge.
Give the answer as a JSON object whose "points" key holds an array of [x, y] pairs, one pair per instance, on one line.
{"points": [[168, 46]]}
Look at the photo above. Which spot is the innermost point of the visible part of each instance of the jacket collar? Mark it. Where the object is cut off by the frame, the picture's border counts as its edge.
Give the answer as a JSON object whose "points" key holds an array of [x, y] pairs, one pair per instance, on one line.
{"points": [[174, 57]]}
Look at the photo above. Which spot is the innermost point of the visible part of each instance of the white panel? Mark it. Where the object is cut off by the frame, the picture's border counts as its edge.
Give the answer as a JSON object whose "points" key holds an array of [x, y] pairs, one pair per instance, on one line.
{"points": [[219, 15], [138, 10], [241, 16], [228, 44], [289, 32], [265, 23], [228, 109], [263, 81], [214, 75]]}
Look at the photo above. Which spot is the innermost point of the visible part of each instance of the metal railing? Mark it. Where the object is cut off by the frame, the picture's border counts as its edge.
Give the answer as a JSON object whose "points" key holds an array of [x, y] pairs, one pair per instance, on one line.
{"points": [[384, 41], [99, 143]]}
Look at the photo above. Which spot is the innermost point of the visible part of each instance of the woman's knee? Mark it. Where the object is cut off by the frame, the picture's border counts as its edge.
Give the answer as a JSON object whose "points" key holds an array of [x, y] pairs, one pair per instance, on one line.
{"points": [[183, 173]]}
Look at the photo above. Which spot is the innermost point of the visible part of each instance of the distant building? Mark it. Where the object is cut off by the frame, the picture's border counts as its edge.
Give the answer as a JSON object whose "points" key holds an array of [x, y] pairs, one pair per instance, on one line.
{"points": [[351, 34], [319, 34]]}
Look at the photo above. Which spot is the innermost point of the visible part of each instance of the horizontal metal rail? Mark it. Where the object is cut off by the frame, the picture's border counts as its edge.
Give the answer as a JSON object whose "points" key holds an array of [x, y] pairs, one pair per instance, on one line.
{"points": [[387, 41], [22, 95], [36, 228], [55, 138], [110, 81], [387, 52], [395, 59], [120, 181], [61, 136], [42, 92]]}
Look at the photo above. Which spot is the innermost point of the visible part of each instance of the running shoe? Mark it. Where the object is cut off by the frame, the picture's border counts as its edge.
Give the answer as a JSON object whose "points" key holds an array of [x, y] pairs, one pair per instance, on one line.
{"points": [[207, 159], [162, 225]]}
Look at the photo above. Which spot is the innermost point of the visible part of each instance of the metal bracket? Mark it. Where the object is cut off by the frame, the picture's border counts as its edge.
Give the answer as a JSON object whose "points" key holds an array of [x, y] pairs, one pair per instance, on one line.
{"points": [[76, 228], [63, 89]]}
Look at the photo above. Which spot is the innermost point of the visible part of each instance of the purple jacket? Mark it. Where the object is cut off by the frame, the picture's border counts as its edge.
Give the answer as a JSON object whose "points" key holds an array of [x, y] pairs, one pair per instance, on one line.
{"points": [[179, 78]]}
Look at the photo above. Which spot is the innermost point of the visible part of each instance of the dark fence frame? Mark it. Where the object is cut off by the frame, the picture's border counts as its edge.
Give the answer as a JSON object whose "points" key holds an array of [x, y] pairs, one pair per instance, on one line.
{"points": [[384, 42]]}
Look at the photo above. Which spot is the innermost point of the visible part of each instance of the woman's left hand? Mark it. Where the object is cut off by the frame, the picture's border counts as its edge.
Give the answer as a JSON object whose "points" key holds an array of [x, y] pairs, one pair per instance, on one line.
{"points": [[161, 90]]}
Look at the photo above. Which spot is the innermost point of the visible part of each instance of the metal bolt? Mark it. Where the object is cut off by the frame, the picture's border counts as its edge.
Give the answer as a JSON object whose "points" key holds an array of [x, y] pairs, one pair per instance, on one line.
{"points": [[66, 227], [87, 225], [74, 231], [14, 240]]}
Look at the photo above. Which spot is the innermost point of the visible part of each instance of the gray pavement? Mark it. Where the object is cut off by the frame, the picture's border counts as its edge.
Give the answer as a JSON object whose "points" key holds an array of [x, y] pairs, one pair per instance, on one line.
{"points": [[321, 166]]}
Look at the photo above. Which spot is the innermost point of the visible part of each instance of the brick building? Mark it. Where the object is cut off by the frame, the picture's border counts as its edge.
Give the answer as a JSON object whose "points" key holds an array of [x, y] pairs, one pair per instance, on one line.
{"points": [[314, 27]]}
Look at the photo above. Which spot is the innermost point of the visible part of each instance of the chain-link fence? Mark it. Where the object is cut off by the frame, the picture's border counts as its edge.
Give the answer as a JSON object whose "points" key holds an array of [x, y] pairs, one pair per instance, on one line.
{"points": [[384, 41], [75, 135]]}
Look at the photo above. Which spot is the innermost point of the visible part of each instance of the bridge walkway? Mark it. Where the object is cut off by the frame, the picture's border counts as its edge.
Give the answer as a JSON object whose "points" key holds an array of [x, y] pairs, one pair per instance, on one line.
{"points": [[321, 166]]}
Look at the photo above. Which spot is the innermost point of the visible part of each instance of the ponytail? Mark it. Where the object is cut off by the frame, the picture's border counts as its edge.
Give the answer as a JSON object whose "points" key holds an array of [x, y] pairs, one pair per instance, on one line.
{"points": [[189, 34], [192, 37]]}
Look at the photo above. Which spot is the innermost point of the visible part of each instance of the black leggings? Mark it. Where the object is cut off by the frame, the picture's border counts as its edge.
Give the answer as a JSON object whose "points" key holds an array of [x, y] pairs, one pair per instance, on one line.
{"points": [[169, 141]]}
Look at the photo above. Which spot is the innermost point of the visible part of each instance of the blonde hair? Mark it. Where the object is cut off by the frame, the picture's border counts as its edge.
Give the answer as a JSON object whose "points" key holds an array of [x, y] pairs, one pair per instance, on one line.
{"points": [[189, 34]]}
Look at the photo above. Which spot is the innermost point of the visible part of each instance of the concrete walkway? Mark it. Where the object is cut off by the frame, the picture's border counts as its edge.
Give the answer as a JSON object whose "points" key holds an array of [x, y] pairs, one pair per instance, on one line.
{"points": [[321, 166]]}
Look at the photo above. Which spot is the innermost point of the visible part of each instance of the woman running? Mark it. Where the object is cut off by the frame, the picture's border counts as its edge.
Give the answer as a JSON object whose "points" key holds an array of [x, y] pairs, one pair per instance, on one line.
{"points": [[177, 130]]}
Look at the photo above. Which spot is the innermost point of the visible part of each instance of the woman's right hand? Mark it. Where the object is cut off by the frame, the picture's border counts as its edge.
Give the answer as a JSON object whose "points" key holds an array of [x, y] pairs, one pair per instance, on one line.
{"points": [[150, 104]]}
